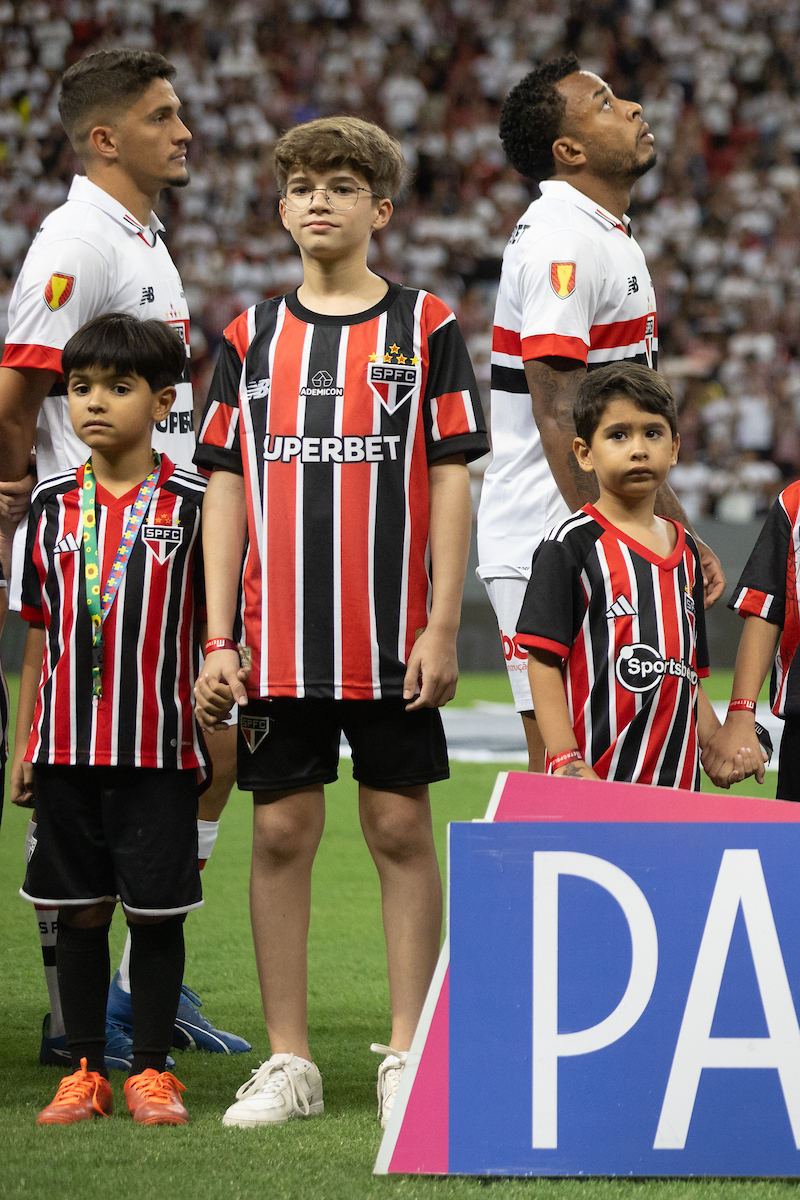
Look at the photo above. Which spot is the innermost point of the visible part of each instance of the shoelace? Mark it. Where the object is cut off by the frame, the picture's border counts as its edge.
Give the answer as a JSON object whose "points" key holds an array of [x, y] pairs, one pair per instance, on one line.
{"points": [[267, 1081], [389, 1073], [77, 1087], [159, 1087]]}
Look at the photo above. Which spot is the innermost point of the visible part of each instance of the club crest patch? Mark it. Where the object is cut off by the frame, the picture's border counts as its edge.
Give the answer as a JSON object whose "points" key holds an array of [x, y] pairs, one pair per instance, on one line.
{"points": [[562, 278], [163, 540], [58, 290], [254, 730], [393, 377]]}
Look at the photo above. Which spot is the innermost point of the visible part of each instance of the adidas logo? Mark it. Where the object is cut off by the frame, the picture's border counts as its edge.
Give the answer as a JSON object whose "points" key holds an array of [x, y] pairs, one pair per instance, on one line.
{"points": [[621, 607], [67, 545]]}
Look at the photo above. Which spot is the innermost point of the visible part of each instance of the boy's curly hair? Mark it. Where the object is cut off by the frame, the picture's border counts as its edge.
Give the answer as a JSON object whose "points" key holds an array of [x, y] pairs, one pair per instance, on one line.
{"points": [[532, 118]]}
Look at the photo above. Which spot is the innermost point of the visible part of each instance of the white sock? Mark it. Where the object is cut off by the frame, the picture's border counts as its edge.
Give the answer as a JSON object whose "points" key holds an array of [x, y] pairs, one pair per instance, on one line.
{"points": [[206, 838], [124, 972], [47, 920]]}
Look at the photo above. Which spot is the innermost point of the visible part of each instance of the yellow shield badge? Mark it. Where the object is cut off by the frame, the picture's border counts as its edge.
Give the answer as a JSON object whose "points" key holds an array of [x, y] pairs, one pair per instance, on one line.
{"points": [[562, 278]]}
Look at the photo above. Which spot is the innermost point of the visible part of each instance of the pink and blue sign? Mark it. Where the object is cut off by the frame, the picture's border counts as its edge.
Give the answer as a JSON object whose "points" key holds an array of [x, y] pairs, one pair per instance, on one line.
{"points": [[617, 993]]}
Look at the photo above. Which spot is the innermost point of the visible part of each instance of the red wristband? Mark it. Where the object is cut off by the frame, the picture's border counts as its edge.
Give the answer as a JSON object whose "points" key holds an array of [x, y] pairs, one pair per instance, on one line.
{"points": [[561, 760], [220, 644], [748, 705]]}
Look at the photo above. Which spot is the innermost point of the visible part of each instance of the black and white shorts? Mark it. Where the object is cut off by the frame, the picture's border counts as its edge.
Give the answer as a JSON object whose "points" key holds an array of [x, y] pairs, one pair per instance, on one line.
{"points": [[286, 743], [115, 833]]}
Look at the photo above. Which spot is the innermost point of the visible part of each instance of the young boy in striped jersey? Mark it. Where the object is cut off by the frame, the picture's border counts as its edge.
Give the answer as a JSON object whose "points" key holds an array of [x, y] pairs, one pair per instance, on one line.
{"points": [[613, 616], [106, 743], [338, 429]]}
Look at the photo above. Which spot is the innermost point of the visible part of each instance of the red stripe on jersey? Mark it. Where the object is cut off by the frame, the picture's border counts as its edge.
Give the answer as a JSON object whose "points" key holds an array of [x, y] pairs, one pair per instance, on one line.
{"points": [[451, 415], [623, 708], [531, 642], [418, 501], [281, 488], [216, 427], [554, 345], [619, 333], [40, 358], [506, 341], [238, 334], [751, 603]]}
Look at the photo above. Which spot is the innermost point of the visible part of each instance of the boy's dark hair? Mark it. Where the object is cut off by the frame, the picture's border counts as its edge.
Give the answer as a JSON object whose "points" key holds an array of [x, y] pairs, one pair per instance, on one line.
{"points": [[647, 389], [342, 142], [103, 85], [129, 346], [532, 118]]}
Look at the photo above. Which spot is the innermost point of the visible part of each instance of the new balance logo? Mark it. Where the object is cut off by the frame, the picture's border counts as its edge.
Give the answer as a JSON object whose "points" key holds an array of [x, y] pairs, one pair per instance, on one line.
{"points": [[258, 389], [621, 607], [67, 545]]}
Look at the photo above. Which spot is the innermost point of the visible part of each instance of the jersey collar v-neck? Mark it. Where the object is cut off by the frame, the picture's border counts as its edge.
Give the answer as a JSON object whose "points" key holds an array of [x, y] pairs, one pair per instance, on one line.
{"points": [[83, 190], [118, 503], [665, 564]]}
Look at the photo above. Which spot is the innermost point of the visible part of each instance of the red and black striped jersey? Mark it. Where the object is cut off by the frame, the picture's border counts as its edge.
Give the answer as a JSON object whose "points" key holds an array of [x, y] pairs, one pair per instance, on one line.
{"points": [[334, 421], [631, 629], [768, 588], [145, 716]]}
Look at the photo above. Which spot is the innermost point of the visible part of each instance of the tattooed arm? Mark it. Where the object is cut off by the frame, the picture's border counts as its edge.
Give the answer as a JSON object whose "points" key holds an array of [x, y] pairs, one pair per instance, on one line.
{"points": [[553, 384]]}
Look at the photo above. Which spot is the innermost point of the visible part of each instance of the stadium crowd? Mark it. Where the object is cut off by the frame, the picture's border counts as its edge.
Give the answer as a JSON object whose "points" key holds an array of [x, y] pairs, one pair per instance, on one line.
{"points": [[718, 219]]}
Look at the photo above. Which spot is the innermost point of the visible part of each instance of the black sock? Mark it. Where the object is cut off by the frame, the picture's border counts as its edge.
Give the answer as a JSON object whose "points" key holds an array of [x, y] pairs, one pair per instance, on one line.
{"points": [[83, 972], [157, 958]]}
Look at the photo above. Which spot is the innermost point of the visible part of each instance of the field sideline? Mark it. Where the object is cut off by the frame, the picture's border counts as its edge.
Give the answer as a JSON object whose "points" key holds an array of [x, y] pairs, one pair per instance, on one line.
{"points": [[330, 1157]]}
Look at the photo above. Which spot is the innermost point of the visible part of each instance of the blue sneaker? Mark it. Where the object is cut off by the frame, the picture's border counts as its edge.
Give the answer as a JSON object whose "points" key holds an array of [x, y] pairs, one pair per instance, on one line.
{"points": [[194, 1032], [53, 1051]]}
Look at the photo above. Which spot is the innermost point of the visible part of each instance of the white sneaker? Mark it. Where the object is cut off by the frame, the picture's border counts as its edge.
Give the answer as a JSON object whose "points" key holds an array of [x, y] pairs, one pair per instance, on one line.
{"points": [[389, 1073], [280, 1090]]}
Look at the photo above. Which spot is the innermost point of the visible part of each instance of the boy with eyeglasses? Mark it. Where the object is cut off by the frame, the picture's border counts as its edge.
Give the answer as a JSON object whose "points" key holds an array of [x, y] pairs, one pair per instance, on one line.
{"points": [[338, 429]]}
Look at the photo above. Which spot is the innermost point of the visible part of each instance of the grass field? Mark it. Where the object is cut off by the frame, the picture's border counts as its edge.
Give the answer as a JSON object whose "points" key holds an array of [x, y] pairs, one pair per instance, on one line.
{"points": [[328, 1157]]}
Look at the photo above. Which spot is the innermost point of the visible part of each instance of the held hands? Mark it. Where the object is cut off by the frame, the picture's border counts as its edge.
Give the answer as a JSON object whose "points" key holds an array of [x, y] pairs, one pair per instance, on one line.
{"points": [[431, 671], [219, 686], [21, 784], [15, 500], [733, 753]]}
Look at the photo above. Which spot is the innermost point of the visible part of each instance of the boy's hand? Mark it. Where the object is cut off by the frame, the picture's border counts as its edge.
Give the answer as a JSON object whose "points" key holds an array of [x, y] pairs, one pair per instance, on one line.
{"points": [[21, 784], [219, 687], [734, 753], [713, 574], [432, 670], [577, 769]]}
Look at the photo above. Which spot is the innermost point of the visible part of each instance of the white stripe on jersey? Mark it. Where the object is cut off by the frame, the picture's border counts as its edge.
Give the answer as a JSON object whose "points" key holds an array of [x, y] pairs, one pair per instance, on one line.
{"points": [[374, 649], [299, 525], [338, 430]]}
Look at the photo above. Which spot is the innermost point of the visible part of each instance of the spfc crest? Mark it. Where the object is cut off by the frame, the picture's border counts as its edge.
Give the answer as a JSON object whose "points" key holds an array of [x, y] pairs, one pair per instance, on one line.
{"points": [[393, 383], [562, 279], [163, 540], [58, 290], [254, 730]]}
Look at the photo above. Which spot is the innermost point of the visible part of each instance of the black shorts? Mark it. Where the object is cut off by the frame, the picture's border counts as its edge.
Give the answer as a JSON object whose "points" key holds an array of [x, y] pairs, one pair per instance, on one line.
{"points": [[789, 761], [115, 833], [287, 743]]}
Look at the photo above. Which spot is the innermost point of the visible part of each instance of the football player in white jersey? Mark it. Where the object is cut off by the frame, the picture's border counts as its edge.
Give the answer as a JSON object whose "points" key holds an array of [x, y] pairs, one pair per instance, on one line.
{"points": [[102, 251], [574, 293]]}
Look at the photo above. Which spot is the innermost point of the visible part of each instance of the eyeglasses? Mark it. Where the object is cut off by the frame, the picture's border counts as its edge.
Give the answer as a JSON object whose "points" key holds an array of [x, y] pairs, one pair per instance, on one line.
{"points": [[340, 196]]}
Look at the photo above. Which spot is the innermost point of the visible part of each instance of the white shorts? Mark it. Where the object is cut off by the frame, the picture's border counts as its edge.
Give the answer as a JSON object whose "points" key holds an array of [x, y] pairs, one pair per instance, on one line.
{"points": [[506, 595]]}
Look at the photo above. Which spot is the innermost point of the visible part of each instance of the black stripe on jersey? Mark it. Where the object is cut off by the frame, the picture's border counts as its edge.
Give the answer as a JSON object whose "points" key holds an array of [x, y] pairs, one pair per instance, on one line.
{"points": [[390, 510], [511, 379], [673, 758], [318, 570], [171, 739], [601, 666]]}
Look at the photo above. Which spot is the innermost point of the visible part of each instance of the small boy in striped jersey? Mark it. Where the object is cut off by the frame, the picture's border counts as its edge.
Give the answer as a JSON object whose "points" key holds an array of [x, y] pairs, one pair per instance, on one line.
{"points": [[106, 742], [613, 616]]}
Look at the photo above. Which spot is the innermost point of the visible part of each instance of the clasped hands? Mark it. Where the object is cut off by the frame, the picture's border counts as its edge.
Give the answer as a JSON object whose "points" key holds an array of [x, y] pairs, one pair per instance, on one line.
{"points": [[733, 753]]}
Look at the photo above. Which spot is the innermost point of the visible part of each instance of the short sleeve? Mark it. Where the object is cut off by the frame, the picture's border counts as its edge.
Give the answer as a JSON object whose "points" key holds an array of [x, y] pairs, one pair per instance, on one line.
{"points": [[454, 420], [60, 288], [761, 590], [559, 284], [555, 603], [32, 609], [218, 441]]}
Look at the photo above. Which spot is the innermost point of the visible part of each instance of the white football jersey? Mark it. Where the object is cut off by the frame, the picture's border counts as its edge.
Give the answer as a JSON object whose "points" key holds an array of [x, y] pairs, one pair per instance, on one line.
{"points": [[575, 285], [89, 257]]}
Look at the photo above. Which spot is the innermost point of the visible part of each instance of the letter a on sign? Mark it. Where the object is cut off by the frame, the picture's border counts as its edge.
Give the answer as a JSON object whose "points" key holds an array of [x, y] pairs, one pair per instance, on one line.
{"points": [[740, 881]]}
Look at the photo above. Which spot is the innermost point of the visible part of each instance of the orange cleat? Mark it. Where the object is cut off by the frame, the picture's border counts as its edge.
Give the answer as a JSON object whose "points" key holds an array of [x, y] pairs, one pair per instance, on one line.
{"points": [[80, 1096], [154, 1099]]}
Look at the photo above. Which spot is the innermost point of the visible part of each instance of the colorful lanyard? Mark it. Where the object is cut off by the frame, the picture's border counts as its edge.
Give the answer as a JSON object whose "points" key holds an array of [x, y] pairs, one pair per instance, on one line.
{"points": [[99, 605]]}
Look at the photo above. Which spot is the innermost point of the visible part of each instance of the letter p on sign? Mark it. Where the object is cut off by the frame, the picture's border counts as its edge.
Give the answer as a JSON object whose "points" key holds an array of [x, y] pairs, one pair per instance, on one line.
{"points": [[548, 1044]]}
